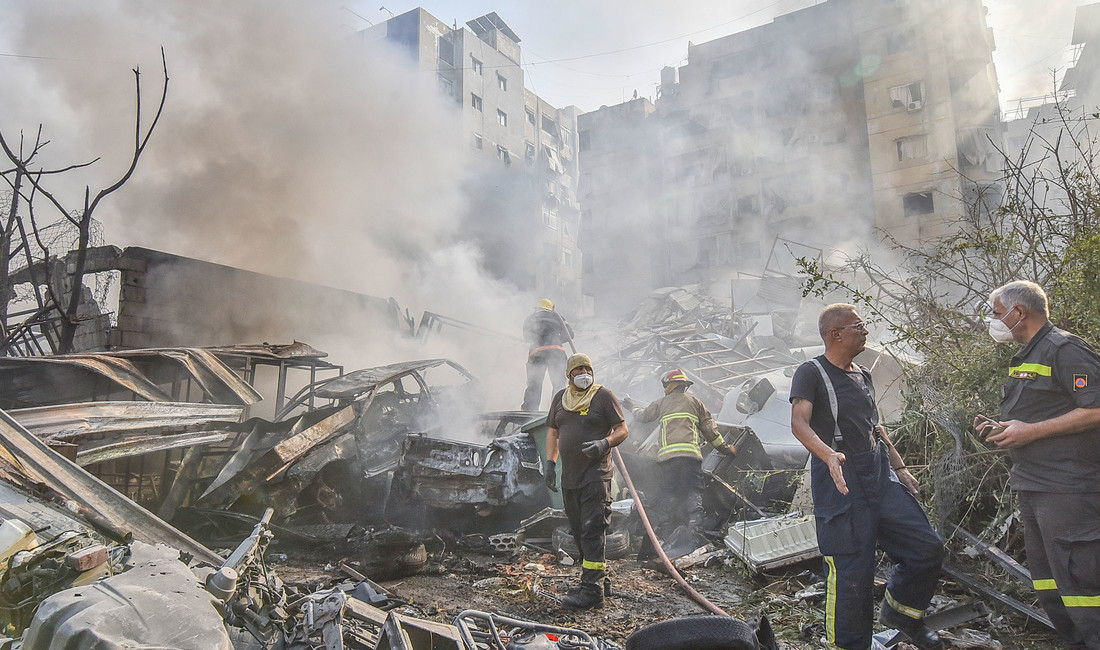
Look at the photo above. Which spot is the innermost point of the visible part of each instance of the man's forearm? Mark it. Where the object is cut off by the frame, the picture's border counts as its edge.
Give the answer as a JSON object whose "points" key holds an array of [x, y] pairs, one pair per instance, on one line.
{"points": [[1076, 421]]}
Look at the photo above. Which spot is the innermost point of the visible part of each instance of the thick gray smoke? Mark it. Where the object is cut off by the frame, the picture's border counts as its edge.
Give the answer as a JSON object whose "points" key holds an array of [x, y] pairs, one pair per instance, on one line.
{"points": [[288, 146]]}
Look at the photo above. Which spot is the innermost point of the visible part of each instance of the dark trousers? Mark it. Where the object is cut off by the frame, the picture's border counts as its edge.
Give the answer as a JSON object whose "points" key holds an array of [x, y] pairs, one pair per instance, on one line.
{"points": [[588, 509], [1062, 538], [681, 498], [876, 511], [538, 365]]}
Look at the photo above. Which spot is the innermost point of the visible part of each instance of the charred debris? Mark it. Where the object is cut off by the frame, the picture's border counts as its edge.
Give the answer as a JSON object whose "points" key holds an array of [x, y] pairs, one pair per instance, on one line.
{"points": [[114, 465]]}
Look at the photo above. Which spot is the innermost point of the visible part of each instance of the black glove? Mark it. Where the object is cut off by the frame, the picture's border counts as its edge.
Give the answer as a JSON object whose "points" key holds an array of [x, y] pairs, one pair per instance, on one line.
{"points": [[728, 450], [550, 470], [596, 448]]}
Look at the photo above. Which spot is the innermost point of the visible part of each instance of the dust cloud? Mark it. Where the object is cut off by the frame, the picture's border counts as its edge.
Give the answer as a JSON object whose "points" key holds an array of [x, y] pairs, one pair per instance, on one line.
{"points": [[288, 146]]}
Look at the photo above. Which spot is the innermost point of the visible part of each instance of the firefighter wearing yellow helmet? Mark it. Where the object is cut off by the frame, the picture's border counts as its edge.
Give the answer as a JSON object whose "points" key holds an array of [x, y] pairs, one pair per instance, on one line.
{"points": [[685, 426]]}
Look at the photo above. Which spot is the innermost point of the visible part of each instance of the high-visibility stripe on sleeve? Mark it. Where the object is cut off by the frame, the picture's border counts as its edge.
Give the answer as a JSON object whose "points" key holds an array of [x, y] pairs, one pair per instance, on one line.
{"points": [[1028, 368], [1081, 601], [1044, 585]]}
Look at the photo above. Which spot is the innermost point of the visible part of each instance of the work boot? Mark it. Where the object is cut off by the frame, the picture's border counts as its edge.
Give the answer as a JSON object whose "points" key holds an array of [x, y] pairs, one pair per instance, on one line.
{"points": [[587, 597], [914, 629]]}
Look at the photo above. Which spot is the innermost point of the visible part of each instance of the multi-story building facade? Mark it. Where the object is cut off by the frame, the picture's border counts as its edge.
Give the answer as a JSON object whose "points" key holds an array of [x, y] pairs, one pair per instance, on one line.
{"points": [[525, 212], [834, 125]]}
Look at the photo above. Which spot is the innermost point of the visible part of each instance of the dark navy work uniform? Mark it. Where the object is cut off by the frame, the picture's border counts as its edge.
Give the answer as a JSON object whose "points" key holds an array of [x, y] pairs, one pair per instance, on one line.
{"points": [[877, 510], [1058, 480]]}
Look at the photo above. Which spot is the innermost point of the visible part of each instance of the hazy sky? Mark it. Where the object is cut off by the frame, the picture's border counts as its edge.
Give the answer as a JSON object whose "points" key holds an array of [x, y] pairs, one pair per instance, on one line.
{"points": [[593, 53]]}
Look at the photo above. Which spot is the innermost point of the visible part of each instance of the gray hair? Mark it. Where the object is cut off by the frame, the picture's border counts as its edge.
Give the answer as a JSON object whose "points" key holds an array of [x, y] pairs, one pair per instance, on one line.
{"points": [[1022, 292], [831, 315]]}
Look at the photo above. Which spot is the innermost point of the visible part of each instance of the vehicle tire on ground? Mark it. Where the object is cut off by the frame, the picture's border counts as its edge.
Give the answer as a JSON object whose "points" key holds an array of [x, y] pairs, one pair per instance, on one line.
{"points": [[616, 546], [694, 633]]}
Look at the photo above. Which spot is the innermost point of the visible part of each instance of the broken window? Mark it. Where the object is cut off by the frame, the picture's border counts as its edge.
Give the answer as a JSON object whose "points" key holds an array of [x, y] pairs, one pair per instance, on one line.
{"points": [[502, 118], [900, 41], [475, 101], [502, 82], [478, 143], [530, 116], [529, 151], [913, 147], [585, 140], [566, 259], [908, 96], [549, 125], [917, 203], [550, 218], [748, 204], [447, 87], [502, 155], [447, 51], [475, 65]]}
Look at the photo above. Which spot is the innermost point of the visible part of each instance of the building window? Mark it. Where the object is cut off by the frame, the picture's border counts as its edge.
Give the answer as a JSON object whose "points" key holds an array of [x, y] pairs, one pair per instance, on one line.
{"points": [[586, 140], [529, 152], [900, 41], [502, 83], [475, 65], [502, 118], [478, 143], [502, 155], [447, 87], [475, 101], [913, 147], [550, 218], [549, 125], [530, 116], [908, 96], [917, 203]]}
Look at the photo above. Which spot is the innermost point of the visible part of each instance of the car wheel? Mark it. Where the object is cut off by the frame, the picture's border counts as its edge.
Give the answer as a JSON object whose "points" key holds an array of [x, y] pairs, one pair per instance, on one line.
{"points": [[694, 633]]}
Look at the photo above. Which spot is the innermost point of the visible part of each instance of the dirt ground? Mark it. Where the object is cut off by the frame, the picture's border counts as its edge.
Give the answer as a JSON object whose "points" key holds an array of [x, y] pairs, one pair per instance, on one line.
{"points": [[456, 580]]}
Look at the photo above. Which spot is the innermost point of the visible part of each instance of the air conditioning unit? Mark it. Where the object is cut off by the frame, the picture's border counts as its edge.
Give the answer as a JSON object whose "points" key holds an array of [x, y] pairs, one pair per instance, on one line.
{"points": [[914, 106]]}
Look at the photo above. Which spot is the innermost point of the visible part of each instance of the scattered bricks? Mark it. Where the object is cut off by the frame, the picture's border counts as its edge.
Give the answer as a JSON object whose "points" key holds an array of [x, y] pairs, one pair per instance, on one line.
{"points": [[87, 558]]}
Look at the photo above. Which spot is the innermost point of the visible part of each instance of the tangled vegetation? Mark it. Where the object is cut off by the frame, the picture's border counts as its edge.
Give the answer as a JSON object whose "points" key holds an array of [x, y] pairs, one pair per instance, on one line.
{"points": [[1041, 222]]}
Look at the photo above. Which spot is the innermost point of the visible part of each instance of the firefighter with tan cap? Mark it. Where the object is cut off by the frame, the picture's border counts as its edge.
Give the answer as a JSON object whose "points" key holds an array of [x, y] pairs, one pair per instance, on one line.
{"points": [[686, 425], [584, 423], [547, 333]]}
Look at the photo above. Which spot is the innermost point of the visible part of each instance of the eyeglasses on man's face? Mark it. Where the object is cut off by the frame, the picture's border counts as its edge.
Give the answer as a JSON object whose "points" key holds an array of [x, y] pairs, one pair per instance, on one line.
{"points": [[858, 326]]}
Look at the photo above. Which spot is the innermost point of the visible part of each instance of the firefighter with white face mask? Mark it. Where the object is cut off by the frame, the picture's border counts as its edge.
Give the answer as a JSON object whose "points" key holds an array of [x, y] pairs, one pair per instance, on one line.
{"points": [[584, 423], [1050, 425]]}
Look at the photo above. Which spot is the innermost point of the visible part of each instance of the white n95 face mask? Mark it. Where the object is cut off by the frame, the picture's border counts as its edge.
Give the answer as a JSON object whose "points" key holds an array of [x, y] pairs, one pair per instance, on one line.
{"points": [[1000, 332], [582, 381]]}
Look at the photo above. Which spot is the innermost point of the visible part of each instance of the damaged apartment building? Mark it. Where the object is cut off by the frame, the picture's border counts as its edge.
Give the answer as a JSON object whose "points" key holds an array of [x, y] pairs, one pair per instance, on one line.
{"points": [[527, 146], [833, 125]]}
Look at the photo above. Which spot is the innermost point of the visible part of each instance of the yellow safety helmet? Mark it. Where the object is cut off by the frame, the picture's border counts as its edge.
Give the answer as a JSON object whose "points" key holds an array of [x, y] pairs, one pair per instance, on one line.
{"points": [[546, 304]]}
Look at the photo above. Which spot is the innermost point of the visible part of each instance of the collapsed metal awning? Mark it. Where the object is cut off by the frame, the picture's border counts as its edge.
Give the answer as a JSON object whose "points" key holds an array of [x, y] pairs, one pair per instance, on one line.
{"points": [[85, 492], [360, 381], [70, 422]]}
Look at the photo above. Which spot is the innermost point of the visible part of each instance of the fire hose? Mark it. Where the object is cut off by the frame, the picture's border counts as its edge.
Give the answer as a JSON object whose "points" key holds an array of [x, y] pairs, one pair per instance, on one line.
{"points": [[672, 571]]}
